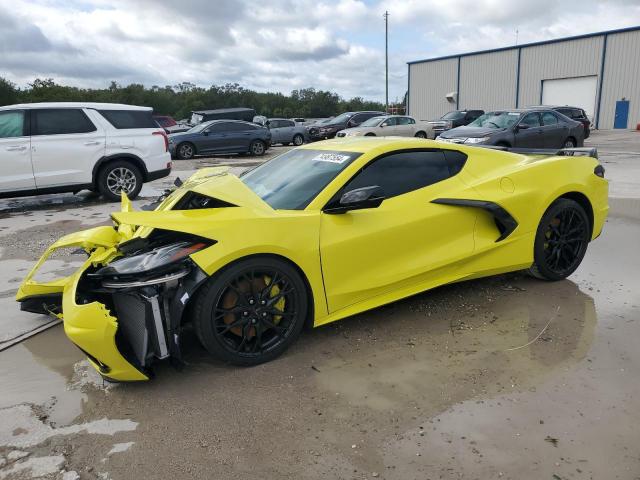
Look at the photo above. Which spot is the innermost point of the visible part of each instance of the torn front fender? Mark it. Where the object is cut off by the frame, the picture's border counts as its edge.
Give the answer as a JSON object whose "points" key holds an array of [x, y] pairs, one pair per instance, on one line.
{"points": [[100, 242]]}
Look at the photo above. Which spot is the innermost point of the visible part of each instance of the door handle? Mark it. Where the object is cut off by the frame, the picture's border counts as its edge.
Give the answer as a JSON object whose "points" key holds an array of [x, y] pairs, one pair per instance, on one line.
{"points": [[16, 148], [91, 143]]}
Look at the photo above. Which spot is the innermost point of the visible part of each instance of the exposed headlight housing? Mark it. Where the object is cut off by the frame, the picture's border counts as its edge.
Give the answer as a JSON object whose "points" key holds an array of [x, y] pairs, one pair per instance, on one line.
{"points": [[159, 265], [476, 139]]}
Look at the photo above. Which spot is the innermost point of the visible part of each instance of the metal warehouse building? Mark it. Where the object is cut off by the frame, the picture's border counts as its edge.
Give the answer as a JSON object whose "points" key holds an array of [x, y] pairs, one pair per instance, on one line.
{"points": [[599, 72]]}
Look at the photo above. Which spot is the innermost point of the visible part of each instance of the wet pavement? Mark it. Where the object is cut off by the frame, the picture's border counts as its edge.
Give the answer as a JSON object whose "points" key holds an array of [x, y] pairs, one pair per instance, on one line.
{"points": [[504, 377]]}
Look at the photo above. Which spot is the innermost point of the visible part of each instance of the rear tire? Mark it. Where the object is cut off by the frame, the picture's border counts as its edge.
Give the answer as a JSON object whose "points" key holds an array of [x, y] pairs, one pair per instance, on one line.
{"points": [[561, 240], [421, 135], [252, 311], [370, 135], [117, 176], [569, 143], [257, 148]]}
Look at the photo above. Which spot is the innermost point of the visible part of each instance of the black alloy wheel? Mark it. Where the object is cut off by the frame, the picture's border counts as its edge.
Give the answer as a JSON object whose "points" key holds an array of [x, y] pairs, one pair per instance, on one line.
{"points": [[252, 311], [561, 240]]}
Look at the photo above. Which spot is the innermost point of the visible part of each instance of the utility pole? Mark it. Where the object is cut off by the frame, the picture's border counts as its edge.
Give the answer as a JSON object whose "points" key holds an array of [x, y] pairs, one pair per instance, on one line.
{"points": [[386, 60]]}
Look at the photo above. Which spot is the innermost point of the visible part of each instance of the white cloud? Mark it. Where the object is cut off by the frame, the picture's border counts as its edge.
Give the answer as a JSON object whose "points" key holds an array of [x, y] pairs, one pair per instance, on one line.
{"points": [[272, 44]]}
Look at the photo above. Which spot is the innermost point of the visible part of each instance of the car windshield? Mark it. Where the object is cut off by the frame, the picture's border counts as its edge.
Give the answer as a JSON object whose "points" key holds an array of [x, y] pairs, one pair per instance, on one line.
{"points": [[496, 120], [200, 127], [455, 115], [291, 180], [343, 118], [372, 122]]}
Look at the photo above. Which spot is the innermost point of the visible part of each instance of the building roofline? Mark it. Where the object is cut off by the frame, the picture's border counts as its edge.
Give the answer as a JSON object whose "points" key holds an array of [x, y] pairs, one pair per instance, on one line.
{"points": [[525, 45]]}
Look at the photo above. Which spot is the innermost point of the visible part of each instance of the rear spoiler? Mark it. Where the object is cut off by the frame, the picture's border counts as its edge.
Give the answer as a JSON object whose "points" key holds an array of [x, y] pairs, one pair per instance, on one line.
{"points": [[563, 152]]}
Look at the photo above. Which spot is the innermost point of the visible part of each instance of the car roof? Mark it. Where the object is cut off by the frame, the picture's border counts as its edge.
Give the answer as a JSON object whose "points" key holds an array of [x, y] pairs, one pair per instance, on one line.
{"points": [[279, 118], [230, 120], [555, 106], [92, 105]]}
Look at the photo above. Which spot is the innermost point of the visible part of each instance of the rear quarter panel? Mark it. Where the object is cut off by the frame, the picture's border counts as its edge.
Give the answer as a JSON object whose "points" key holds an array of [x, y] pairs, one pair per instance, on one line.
{"points": [[526, 186]]}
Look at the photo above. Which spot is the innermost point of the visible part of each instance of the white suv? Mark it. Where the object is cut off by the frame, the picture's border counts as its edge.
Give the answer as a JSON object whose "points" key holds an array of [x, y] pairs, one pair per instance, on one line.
{"points": [[68, 147]]}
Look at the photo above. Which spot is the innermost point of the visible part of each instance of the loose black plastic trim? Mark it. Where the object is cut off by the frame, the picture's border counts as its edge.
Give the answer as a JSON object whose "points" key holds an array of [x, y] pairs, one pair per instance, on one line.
{"points": [[43, 304], [504, 221]]}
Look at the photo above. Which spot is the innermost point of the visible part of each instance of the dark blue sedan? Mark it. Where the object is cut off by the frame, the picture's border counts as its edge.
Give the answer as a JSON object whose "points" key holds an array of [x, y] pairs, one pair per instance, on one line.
{"points": [[220, 136]]}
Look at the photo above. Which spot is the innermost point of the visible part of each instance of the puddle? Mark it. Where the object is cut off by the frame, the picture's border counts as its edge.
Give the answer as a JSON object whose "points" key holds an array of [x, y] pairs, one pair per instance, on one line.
{"points": [[38, 372]]}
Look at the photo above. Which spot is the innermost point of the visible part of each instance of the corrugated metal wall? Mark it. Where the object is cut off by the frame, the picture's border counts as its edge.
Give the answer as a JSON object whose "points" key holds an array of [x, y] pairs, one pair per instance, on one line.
{"points": [[574, 58], [429, 83], [488, 81], [621, 77]]}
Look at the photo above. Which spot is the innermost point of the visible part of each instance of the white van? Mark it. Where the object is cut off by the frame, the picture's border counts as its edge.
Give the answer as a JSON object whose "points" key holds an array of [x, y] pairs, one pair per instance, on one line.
{"points": [[72, 146]]}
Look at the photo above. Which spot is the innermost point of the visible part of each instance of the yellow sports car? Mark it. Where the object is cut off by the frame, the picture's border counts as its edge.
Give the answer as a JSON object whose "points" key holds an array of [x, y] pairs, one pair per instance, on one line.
{"points": [[314, 235]]}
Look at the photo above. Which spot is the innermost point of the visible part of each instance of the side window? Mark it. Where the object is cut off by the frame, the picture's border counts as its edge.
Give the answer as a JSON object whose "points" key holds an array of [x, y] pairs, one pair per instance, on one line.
{"points": [[549, 118], [411, 121], [565, 112], [217, 128], [60, 121], [531, 119], [456, 161], [129, 119], [577, 114], [358, 118], [274, 124], [474, 114], [288, 123], [237, 127], [390, 122], [12, 124], [404, 172], [403, 120]]}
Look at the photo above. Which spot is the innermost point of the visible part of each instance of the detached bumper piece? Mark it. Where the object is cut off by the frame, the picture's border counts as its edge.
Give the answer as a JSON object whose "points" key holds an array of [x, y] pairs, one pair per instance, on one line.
{"points": [[144, 324]]}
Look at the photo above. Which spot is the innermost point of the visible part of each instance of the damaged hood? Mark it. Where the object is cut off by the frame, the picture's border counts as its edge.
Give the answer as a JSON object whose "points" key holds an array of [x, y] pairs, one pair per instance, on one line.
{"points": [[231, 201]]}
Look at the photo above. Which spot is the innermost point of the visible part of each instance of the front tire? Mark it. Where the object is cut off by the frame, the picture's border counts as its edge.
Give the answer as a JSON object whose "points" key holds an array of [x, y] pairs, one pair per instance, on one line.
{"points": [[298, 140], [118, 176], [257, 148], [252, 311], [561, 240], [185, 151]]}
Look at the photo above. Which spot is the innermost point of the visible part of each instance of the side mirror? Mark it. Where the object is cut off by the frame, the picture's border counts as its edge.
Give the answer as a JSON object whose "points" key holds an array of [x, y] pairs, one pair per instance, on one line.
{"points": [[382, 125], [358, 199], [522, 126], [205, 132], [351, 123]]}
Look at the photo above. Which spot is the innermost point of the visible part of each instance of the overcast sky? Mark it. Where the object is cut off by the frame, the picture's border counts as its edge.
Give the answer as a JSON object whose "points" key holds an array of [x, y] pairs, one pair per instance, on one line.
{"points": [[273, 44]]}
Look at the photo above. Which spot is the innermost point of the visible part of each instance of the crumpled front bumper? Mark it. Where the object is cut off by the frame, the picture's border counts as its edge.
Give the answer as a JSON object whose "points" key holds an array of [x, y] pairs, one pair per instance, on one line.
{"points": [[90, 326]]}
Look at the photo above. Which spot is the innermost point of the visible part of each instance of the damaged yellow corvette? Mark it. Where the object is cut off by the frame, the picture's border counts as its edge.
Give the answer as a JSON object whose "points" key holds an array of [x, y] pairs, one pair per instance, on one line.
{"points": [[314, 235]]}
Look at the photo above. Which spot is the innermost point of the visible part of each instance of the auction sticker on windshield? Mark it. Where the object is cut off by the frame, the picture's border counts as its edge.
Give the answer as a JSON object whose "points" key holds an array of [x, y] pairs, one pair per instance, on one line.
{"points": [[331, 158]]}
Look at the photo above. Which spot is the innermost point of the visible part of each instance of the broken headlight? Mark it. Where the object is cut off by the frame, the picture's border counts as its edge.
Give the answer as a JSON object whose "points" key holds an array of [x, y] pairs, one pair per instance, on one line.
{"points": [[159, 265]]}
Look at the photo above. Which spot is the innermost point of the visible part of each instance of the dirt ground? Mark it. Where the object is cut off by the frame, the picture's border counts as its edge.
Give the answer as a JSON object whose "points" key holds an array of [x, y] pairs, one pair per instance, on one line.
{"points": [[505, 377]]}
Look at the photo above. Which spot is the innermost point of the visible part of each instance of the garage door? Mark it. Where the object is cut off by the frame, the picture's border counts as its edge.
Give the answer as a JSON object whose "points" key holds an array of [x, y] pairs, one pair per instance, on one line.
{"points": [[576, 92]]}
